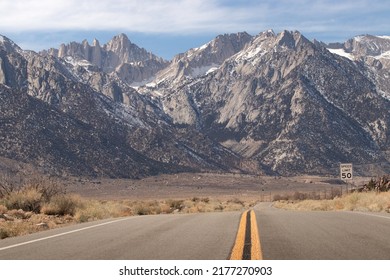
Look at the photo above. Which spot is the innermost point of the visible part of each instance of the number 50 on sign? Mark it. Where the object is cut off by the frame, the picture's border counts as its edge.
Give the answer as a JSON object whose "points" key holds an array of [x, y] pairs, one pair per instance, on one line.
{"points": [[346, 172]]}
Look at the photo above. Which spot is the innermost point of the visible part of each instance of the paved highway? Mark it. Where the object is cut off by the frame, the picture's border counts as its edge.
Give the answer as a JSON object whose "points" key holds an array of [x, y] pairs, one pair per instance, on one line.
{"points": [[317, 235], [282, 235], [184, 237]]}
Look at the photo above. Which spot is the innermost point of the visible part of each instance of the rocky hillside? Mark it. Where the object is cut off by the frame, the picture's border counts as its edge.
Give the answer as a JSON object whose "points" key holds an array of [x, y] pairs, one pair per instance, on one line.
{"points": [[289, 105], [55, 118], [272, 103]]}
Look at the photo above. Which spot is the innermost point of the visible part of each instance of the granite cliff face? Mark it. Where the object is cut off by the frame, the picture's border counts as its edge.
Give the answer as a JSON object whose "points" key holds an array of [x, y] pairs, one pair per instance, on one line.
{"points": [[118, 57], [271, 103]]}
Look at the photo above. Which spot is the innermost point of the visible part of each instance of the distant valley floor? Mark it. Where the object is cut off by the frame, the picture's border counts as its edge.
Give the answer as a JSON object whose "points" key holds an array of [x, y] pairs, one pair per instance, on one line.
{"points": [[222, 186]]}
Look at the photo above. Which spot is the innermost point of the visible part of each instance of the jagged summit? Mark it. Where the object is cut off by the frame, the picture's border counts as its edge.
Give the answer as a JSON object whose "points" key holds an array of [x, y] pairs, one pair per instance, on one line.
{"points": [[373, 52], [199, 61], [119, 57], [7, 44], [270, 103], [117, 51]]}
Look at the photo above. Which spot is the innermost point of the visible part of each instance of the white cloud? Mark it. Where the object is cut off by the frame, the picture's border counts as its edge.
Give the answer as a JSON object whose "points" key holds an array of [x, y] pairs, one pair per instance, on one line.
{"points": [[190, 16], [133, 15]]}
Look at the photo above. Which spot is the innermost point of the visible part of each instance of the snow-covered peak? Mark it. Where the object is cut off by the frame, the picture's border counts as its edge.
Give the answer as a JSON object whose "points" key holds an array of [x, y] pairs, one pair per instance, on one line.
{"points": [[362, 46], [267, 42]]}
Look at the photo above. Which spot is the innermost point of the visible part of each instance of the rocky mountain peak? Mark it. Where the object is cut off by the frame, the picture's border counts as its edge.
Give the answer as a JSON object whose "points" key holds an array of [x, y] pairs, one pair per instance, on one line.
{"points": [[267, 43], [202, 60], [233, 40], [119, 44], [8, 45], [117, 51], [120, 57], [374, 54], [291, 39], [12, 64], [365, 45], [286, 39], [95, 43]]}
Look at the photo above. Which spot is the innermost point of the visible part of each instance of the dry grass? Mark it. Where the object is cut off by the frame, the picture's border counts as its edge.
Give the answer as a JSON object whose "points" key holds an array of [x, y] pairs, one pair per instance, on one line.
{"points": [[40, 204], [368, 202], [69, 209], [15, 225], [62, 205], [95, 209]]}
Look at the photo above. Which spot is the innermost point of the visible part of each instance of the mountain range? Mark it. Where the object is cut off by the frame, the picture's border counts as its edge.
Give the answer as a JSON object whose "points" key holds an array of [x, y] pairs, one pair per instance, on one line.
{"points": [[275, 104]]}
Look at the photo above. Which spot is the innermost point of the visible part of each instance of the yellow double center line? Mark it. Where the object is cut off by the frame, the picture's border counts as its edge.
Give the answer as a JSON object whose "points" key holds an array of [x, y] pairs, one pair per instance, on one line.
{"points": [[247, 245]]}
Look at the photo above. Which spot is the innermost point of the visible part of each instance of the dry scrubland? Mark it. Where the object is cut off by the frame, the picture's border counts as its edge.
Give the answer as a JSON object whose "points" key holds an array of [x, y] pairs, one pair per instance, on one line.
{"points": [[368, 202], [42, 204], [373, 196]]}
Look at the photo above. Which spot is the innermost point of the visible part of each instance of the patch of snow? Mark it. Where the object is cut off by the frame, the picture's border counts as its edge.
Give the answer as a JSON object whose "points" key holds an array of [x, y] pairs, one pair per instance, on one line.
{"points": [[341, 52], [358, 38], [151, 85], [211, 70], [1, 39], [384, 37], [200, 71], [191, 52], [203, 47], [385, 55], [155, 93], [76, 62], [254, 52], [136, 85]]}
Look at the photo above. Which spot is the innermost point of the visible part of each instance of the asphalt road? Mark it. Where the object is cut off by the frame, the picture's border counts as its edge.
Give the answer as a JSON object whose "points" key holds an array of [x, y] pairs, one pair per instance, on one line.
{"points": [[183, 237], [315, 235], [283, 235]]}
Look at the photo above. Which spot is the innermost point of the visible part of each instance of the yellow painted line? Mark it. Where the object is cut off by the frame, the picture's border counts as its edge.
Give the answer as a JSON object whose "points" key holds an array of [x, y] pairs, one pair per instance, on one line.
{"points": [[256, 253], [238, 247]]}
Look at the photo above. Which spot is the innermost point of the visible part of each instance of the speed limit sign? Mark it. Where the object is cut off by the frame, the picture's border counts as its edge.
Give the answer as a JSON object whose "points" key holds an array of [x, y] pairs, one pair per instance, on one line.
{"points": [[346, 172]]}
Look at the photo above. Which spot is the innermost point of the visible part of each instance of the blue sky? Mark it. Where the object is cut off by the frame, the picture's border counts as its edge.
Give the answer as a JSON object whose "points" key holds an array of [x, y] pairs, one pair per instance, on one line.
{"points": [[168, 27]]}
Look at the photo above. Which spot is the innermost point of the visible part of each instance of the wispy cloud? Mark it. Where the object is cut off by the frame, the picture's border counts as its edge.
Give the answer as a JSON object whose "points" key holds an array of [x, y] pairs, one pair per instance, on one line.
{"points": [[175, 16], [136, 15]]}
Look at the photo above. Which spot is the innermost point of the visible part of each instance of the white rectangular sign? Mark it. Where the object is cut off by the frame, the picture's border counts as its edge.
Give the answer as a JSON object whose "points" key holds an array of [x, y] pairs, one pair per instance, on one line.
{"points": [[346, 171]]}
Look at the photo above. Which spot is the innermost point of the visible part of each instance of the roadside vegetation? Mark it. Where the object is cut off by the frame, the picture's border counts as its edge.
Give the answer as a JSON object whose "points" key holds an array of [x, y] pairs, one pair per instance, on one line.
{"points": [[40, 204], [372, 197]]}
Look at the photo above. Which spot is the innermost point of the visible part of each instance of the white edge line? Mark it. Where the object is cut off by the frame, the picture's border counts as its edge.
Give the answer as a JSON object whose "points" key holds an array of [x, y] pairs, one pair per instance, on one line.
{"points": [[368, 214], [61, 234]]}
